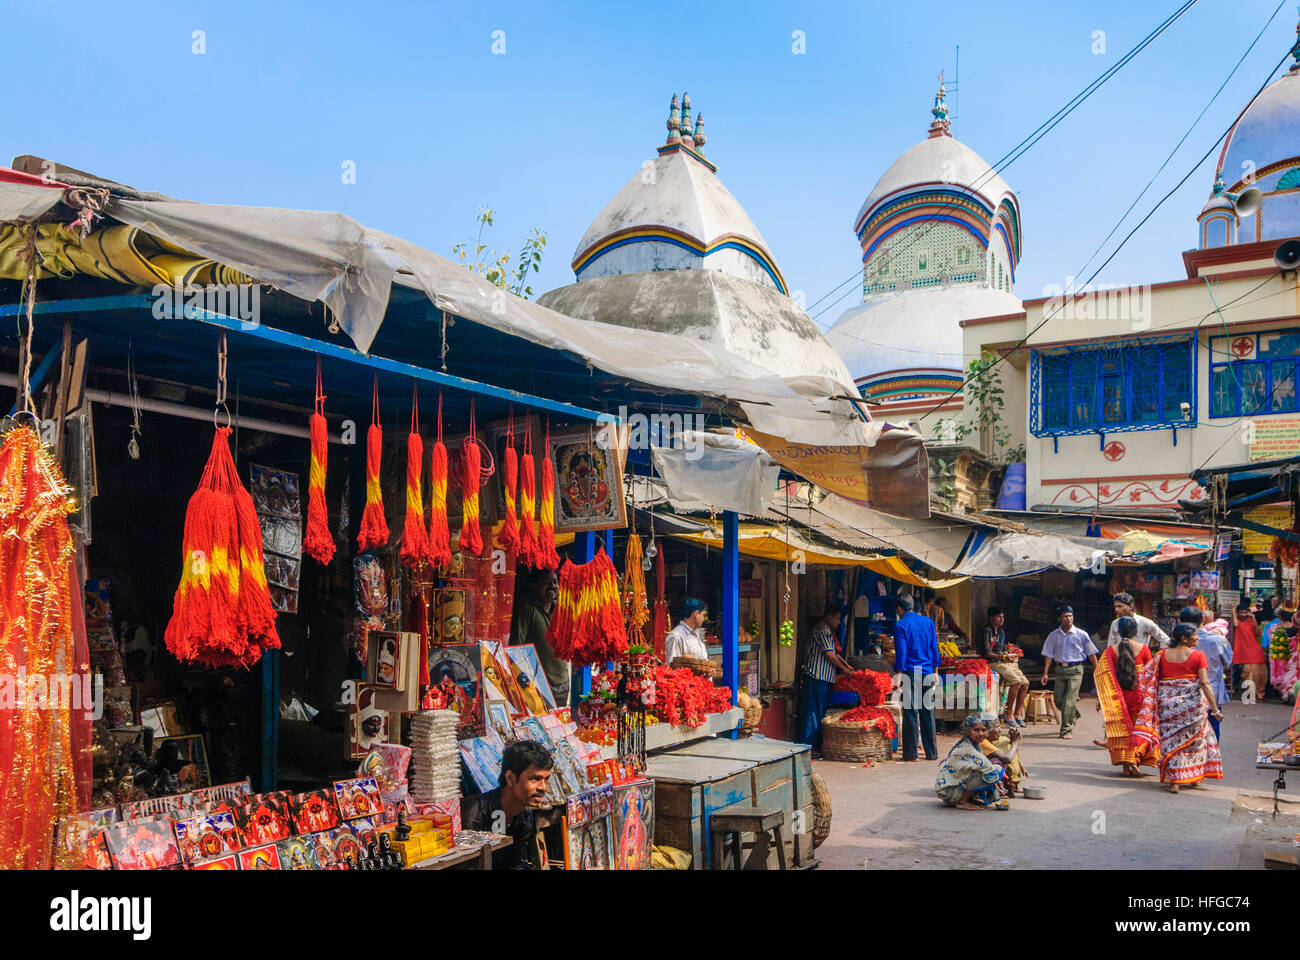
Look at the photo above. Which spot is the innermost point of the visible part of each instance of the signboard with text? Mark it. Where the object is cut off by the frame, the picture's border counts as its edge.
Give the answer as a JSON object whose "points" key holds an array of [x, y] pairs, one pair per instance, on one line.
{"points": [[1273, 438]]}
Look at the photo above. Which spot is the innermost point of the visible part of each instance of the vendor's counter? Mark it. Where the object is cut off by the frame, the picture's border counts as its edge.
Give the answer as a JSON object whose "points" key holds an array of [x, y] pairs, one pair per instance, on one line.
{"points": [[662, 736]]}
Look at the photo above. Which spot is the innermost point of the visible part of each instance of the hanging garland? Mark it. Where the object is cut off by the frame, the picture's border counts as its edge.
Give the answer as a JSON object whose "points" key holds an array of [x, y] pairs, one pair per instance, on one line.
{"points": [[439, 532], [471, 478], [415, 542], [222, 614], [317, 541], [528, 548], [587, 625], [373, 530], [660, 627], [547, 558], [635, 609], [509, 537]]}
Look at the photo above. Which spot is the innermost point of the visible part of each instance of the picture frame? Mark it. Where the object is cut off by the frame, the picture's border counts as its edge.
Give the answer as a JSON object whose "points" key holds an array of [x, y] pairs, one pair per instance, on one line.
{"points": [[588, 479]]}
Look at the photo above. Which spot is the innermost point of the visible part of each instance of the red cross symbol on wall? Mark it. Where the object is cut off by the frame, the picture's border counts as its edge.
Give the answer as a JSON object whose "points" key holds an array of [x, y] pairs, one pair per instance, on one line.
{"points": [[1243, 346], [1114, 451]]}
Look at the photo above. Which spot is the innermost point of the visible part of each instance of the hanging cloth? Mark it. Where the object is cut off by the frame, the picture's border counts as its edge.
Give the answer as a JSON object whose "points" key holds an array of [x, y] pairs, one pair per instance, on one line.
{"points": [[471, 478], [372, 533], [415, 541], [528, 551], [509, 536], [547, 558], [318, 542]]}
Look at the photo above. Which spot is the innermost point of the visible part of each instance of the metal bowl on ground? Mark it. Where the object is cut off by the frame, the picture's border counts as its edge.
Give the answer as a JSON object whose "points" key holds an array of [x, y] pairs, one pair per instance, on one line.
{"points": [[1034, 793]]}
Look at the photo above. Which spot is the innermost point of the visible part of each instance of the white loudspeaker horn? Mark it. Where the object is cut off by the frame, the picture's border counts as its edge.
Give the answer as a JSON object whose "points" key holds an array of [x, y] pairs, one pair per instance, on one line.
{"points": [[1287, 256], [1246, 202]]}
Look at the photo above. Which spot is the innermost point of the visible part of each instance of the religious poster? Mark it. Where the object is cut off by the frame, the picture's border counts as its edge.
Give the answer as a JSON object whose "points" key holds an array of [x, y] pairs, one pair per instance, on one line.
{"points": [[588, 480], [589, 830], [367, 723], [634, 824], [279, 511]]}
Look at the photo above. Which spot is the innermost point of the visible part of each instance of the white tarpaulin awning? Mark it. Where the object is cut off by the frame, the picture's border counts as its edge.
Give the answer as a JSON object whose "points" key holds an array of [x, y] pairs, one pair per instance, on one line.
{"points": [[718, 471], [1014, 554]]}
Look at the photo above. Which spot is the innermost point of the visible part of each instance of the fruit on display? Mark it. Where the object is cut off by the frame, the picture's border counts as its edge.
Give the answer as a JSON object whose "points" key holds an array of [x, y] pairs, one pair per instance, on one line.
{"points": [[949, 649], [787, 633]]}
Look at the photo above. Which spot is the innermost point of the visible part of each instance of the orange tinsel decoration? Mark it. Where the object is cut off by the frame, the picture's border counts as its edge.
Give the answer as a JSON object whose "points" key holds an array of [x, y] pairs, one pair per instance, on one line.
{"points": [[509, 536], [635, 609], [439, 533], [373, 530], [222, 614], [471, 477], [528, 550], [587, 625], [38, 735], [415, 542], [317, 541], [547, 558]]}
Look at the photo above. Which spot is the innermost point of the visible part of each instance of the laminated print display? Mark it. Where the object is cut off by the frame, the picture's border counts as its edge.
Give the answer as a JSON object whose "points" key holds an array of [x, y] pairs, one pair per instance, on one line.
{"points": [[260, 858], [345, 845], [439, 532], [483, 757], [358, 797], [315, 810], [435, 755], [222, 613], [415, 539], [88, 838], [297, 853], [238, 791], [368, 725], [634, 824], [589, 830], [279, 511], [372, 532], [142, 845], [318, 542], [204, 837], [267, 818], [230, 862], [588, 480], [514, 674], [39, 744], [387, 763]]}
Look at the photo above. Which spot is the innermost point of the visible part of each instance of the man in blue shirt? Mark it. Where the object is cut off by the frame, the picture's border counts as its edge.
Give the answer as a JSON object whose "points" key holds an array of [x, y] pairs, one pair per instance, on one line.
{"points": [[1069, 647], [916, 657]]}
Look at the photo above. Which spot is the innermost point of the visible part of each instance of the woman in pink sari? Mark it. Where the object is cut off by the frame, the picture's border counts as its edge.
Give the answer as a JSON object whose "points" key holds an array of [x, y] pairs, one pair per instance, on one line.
{"points": [[1174, 714]]}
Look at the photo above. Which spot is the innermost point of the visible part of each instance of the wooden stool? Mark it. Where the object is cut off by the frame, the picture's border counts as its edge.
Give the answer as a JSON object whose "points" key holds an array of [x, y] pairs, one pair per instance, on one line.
{"points": [[1039, 705], [738, 819]]}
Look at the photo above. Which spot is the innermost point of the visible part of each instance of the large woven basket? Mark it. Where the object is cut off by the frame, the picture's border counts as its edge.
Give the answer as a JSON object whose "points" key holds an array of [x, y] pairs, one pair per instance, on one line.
{"points": [[753, 708], [854, 743], [697, 665], [821, 810]]}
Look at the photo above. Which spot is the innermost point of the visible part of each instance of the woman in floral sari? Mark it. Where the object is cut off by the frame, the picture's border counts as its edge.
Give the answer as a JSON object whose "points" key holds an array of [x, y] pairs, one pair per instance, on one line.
{"points": [[1174, 714], [1118, 698], [968, 780]]}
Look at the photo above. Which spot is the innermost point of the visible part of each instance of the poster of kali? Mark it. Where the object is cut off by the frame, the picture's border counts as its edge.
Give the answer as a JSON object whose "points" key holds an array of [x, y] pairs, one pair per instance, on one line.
{"points": [[279, 511], [588, 480]]}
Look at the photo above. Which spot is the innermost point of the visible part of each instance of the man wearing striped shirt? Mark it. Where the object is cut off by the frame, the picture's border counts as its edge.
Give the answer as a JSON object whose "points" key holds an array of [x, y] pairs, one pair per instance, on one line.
{"points": [[820, 668]]}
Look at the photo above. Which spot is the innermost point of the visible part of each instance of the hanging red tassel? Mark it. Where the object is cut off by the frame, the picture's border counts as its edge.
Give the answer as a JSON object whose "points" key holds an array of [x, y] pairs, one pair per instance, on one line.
{"points": [[547, 558], [373, 530], [660, 628], [509, 536], [587, 624], [471, 477], [415, 542], [439, 533], [317, 541], [528, 551]]}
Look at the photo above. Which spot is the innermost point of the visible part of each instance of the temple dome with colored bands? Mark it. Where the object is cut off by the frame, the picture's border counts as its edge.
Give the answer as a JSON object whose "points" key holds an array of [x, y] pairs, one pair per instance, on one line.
{"points": [[940, 238], [674, 251], [1262, 150]]}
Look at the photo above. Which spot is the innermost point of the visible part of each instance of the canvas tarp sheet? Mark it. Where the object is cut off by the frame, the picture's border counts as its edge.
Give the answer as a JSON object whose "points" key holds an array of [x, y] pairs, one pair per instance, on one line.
{"points": [[717, 471]]}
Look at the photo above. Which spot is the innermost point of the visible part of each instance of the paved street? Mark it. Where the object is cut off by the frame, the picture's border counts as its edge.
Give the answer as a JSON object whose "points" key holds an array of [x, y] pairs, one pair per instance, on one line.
{"points": [[887, 817]]}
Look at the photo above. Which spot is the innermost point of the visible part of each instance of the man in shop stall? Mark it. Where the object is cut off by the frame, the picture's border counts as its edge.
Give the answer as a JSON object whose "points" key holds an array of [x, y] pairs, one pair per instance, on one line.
{"points": [[685, 640], [532, 617], [944, 621], [822, 665], [525, 777], [1148, 633], [916, 657]]}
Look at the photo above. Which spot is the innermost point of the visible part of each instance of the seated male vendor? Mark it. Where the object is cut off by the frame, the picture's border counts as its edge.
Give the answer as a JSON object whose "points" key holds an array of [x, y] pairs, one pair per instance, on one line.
{"points": [[525, 774]]}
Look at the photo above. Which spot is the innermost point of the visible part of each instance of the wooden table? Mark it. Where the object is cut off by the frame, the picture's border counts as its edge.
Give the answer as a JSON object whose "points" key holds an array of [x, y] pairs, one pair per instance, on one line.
{"points": [[466, 855]]}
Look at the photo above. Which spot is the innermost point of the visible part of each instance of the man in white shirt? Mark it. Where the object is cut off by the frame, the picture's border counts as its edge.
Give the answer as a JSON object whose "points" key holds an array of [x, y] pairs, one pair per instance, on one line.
{"points": [[1069, 648], [684, 640], [1148, 632]]}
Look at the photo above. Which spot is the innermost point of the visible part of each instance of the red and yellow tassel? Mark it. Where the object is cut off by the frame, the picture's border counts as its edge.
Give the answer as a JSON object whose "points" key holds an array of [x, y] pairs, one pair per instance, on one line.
{"points": [[528, 554], [415, 541], [547, 558], [587, 624], [317, 541], [439, 532], [373, 530], [509, 536], [471, 477]]}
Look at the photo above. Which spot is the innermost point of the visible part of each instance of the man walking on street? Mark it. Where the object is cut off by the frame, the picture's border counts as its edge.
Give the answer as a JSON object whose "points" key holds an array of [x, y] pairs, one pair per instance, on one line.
{"points": [[820, 668], [1069, 647], [916, 657], [1148, 632]]}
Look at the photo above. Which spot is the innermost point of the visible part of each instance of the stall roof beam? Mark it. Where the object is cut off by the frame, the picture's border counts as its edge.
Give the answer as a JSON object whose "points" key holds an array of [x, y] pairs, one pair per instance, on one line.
{"points": [[307, 344]]}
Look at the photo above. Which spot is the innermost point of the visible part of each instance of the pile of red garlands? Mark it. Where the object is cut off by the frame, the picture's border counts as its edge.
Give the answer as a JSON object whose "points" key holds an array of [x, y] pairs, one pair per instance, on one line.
{"points": [[878, 717], [1285, 552], [871, 686], [978, 668], [683, 697], [1015, 651]]}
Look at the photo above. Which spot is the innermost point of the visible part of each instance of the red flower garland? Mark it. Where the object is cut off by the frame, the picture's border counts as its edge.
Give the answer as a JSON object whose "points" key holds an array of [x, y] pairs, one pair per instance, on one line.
{"points": [[684, 697], [871, 686], [978, 668], [878, 717]]}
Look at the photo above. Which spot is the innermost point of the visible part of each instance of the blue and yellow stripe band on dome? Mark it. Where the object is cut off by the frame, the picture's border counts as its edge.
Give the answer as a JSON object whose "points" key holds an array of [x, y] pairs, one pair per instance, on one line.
{"points": [[658, 234]]}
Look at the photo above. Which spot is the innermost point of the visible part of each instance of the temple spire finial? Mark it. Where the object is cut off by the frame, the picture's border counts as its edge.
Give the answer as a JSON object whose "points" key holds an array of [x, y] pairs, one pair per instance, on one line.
{"points": [[688, 138], [674, 123], [1295, 51], [940, 126], [700, 139]]}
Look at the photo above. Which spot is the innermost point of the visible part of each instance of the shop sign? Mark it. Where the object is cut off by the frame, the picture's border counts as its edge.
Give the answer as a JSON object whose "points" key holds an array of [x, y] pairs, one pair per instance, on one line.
{"points": [[1222, 547], [1273, 438], [1276, 515]]}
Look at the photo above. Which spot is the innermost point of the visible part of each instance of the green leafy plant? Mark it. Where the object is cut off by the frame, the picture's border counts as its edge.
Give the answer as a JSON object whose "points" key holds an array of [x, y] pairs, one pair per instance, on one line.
{"points": [[986, 406], [496, 267]]}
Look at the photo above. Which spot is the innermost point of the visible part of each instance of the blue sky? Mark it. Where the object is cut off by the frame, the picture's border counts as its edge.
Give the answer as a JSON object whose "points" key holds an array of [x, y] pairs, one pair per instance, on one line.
{"points": [[437, 124]]}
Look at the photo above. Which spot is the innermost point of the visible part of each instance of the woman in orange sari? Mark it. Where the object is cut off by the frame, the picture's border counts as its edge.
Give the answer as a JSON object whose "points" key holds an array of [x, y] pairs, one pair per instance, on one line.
{"points": [[1119, 697]]}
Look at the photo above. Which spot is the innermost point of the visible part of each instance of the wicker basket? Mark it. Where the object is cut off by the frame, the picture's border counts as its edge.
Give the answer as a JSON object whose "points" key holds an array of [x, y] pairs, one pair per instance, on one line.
{"points": [[854, 742], [821, 810], [697, 665], [753, 708]]}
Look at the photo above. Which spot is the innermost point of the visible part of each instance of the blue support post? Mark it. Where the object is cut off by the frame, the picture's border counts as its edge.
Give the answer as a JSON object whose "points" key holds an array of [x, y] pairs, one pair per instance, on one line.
{"points": [[731, 604], [584, 548]]}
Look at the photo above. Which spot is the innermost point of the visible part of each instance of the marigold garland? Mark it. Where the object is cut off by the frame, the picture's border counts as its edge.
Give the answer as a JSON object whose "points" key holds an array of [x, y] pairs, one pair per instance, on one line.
{"points": [[871, 716], [471, 478], [317, 541], [509, 536], [415, 541], [547, 558], [373, 529], [528, 548], [439, 531], [684, 697], [977, 668], [222, 614], [587, 624], [635, 610], [871, 686]]}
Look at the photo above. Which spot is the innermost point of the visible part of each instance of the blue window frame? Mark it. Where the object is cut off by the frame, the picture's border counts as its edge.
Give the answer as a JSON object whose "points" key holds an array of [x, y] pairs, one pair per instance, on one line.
{"points": [[1113, 387], [1262, 377]]}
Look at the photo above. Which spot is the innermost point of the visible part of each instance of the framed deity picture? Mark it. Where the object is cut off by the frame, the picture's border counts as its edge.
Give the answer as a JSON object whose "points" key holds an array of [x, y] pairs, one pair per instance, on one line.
{"points": [[588, 479]]}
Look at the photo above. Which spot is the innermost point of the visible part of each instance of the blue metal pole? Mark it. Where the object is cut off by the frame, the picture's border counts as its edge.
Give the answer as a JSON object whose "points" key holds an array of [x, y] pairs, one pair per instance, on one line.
{"points": [[584, 548], [731, 602]]}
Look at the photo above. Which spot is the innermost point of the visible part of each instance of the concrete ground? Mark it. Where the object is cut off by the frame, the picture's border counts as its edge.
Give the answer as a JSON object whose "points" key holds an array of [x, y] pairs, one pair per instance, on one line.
{"points": [[888, 817]]}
